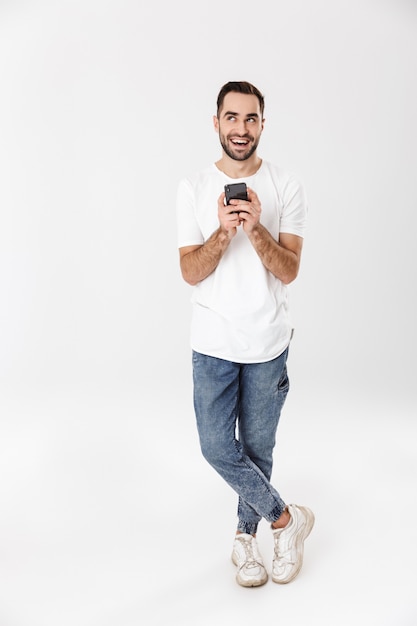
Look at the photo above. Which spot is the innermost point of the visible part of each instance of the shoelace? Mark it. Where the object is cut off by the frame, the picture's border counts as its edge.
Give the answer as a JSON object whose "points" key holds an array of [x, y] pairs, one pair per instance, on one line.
{"points": [[250, 561], [282, 553]]}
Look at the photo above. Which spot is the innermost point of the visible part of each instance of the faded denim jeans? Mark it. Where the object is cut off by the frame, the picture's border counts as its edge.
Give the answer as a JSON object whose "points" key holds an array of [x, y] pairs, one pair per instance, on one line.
{"points": [[237, 407]]}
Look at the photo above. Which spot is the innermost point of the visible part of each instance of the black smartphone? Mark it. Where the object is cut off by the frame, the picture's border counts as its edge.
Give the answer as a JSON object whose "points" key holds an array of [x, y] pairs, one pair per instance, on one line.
{"points": [[235, 191]]}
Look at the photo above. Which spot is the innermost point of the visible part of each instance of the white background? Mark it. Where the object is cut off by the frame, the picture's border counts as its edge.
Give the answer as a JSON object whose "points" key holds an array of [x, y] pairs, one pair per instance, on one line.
{"points": [[108, 514]]}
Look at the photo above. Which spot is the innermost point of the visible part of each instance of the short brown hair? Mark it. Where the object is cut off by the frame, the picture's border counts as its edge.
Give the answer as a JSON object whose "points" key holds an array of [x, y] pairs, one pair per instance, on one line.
{"points": [[240, 87]]}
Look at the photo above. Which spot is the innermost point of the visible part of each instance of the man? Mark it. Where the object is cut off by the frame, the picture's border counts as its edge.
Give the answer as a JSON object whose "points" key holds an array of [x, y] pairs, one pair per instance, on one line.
{"points": [[239, 257]]}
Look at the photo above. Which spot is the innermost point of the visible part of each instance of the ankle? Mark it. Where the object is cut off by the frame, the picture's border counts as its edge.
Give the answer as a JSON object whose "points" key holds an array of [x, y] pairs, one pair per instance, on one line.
{"points": [[282, 521]]}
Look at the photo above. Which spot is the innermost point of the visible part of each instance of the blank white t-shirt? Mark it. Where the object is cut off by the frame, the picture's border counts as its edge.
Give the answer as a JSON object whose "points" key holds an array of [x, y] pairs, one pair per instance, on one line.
{"points": [[240, 311]]}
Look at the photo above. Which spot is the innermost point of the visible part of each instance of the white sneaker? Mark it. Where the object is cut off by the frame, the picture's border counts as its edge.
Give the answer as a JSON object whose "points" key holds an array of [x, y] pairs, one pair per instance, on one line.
{"points": [[289, 544], [251, 571]]}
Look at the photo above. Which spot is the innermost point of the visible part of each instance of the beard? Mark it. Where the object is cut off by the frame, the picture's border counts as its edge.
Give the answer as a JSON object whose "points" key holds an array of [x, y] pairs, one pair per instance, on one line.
{"points": [[240, 156]]}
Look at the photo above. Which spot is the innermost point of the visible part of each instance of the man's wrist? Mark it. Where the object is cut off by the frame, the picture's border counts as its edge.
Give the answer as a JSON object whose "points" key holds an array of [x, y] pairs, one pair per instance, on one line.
{"points": [[256, 233], [224, 236]]}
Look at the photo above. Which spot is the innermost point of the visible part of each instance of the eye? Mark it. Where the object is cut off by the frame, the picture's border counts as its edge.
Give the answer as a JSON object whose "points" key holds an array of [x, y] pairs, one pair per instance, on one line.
{"points": [[231, 118], [251, 119]]}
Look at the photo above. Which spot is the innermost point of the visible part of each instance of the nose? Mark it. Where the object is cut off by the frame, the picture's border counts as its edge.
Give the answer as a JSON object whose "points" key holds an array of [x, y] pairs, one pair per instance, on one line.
{"points": [[241, 127]]}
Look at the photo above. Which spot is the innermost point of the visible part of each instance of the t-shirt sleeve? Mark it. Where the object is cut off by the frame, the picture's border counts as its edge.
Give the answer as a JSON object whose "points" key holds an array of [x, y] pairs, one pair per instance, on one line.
{"points": [[188, 230], [294, 213]]}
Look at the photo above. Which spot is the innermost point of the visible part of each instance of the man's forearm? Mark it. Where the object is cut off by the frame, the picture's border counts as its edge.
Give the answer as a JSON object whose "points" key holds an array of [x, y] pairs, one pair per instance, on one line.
{"points": [[280, 261], [200, 263]]}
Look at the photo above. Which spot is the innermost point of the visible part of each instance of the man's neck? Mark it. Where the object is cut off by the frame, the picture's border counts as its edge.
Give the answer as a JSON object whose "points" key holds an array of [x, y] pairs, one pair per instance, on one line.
{"points": [[239, 169]]}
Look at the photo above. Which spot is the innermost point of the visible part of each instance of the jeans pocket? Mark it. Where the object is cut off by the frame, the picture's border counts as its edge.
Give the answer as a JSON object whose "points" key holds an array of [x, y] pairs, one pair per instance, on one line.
{"points": [[284, 383]]}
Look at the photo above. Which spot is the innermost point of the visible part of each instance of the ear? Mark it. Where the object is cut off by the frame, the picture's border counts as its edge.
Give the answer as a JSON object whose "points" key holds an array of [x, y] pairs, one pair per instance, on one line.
{"points": [[216, 123]]}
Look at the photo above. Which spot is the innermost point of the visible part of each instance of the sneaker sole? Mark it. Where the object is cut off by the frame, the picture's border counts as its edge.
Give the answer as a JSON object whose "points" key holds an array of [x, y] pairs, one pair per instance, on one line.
{"points": [[248, 583], [310, 519]]}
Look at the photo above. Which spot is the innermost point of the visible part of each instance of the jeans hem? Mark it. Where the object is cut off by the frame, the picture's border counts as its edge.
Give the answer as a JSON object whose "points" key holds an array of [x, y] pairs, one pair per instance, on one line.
{"points": [[249, 528], [276, 513]]}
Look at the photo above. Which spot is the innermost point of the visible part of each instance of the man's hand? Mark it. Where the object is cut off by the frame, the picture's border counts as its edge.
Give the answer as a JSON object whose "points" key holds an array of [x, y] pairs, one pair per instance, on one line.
{"points": [[228, 217], [249, 211]]}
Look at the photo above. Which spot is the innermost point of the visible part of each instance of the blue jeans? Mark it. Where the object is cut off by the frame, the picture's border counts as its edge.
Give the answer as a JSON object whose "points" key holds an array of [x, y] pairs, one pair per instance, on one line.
{"points": [[237, 408]]}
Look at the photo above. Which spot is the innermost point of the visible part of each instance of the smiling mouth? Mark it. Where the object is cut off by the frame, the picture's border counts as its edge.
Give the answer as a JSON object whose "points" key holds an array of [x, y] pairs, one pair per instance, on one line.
{"points": [[239, 143]]}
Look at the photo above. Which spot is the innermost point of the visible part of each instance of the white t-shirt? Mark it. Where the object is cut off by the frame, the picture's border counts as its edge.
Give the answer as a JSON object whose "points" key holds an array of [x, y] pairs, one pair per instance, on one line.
{"points": [[240, 311]]}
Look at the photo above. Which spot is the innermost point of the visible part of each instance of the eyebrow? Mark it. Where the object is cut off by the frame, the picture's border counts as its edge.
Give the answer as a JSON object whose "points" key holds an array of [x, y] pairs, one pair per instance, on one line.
{"points": [[236, 114]]}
